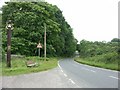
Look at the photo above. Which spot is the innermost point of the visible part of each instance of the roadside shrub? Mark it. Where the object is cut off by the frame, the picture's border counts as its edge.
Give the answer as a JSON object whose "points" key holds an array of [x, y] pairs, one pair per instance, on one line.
{"points": [[104, 58], [110, 57]]}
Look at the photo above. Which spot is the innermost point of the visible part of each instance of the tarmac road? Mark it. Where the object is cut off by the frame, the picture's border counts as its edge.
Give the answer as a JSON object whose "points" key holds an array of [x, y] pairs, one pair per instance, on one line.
{"points": [[68, 74], [89, 77], [47, 79]]}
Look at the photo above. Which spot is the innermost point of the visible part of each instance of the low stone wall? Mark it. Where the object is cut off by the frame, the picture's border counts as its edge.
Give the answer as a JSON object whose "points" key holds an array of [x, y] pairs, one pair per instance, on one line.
{"points": [[15, 56]]}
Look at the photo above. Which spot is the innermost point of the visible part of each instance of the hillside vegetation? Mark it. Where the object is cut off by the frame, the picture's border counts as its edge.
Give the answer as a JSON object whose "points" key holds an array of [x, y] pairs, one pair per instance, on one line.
{"points": [[101, 54]]}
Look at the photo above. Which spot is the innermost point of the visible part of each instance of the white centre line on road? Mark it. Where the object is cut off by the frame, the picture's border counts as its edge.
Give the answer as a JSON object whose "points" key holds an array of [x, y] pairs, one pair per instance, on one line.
{"points": [[61, 70], [92, 71], [72, 81], [65, 75], [113, 77], [86, 69], [89, 70]]}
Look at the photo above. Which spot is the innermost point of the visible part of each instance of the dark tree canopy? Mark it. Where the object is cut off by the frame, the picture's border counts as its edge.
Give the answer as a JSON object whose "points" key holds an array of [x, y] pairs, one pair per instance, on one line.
{"points": [[115, 40], [29, 19]]}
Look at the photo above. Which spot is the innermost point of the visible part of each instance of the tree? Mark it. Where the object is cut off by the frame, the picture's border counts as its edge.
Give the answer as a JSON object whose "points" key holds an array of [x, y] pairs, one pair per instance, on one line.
{"points": [[29, 19], [89, 49], [115, 40]]}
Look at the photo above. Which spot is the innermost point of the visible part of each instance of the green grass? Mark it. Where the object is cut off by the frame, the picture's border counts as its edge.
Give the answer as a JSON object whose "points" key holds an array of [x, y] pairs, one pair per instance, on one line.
{"points": [[0, 68], [19, 66], [94, 61]]}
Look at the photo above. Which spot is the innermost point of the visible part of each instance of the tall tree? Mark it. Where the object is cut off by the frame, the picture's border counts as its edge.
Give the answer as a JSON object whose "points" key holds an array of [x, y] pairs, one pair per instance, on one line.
{"points": [[29, 19]]}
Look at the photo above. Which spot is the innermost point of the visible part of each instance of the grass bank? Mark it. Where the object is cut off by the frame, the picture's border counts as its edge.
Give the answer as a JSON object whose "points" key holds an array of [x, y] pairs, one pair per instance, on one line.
{"points": [[0, 68], [102, 61], [19, 66]]}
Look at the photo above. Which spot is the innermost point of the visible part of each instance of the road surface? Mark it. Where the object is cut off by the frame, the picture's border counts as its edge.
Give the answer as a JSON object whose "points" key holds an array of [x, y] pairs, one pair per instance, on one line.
{"points": [[46, 79], [87, 76], [68, 74]]}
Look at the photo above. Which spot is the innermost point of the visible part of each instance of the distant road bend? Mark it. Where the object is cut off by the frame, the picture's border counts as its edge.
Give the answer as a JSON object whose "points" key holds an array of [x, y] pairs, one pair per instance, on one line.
{"points": [[87, 76]]}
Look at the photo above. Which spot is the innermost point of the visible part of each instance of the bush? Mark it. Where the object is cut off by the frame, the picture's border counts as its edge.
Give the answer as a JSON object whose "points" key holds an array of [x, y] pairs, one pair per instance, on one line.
{"points": [[104, 58], [110, 57], [109, 60]]}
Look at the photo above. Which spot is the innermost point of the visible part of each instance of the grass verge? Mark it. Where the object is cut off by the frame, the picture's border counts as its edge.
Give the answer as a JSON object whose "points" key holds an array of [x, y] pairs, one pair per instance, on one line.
{"points": [[89, 61], [0, 68], [19, 66]]}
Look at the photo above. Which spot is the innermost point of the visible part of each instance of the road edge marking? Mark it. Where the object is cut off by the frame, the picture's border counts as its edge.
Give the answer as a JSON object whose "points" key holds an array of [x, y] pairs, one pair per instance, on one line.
{"points": [[59, 65], [114, 77], [66, 76], [93, 71], [96, 67]]}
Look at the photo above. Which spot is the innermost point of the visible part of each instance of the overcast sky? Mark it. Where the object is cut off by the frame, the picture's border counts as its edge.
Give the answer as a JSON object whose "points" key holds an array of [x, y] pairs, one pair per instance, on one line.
{"points": [[93, 20]]}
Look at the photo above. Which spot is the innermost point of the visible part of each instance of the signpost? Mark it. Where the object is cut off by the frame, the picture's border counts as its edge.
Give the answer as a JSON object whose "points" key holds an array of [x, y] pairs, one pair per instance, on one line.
{"points": [[9, 27], [39, 46]]}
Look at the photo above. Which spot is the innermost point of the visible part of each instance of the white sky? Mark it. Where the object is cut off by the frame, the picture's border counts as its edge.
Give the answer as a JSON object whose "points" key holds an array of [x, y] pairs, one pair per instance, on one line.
{"points": [[94, 20]]}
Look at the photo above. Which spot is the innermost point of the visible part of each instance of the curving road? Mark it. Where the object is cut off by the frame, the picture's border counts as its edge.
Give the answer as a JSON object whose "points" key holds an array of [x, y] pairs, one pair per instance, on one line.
{"points": [[87, 76], [69, 74]]}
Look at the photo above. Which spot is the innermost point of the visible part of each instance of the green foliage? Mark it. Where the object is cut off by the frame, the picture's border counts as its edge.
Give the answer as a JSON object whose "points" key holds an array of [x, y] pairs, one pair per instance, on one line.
{"points": [[94, 61], [0, 20], [3, 55], [29, 19], [101, 54], [115, 40], [89, 49], [105, 58]]}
